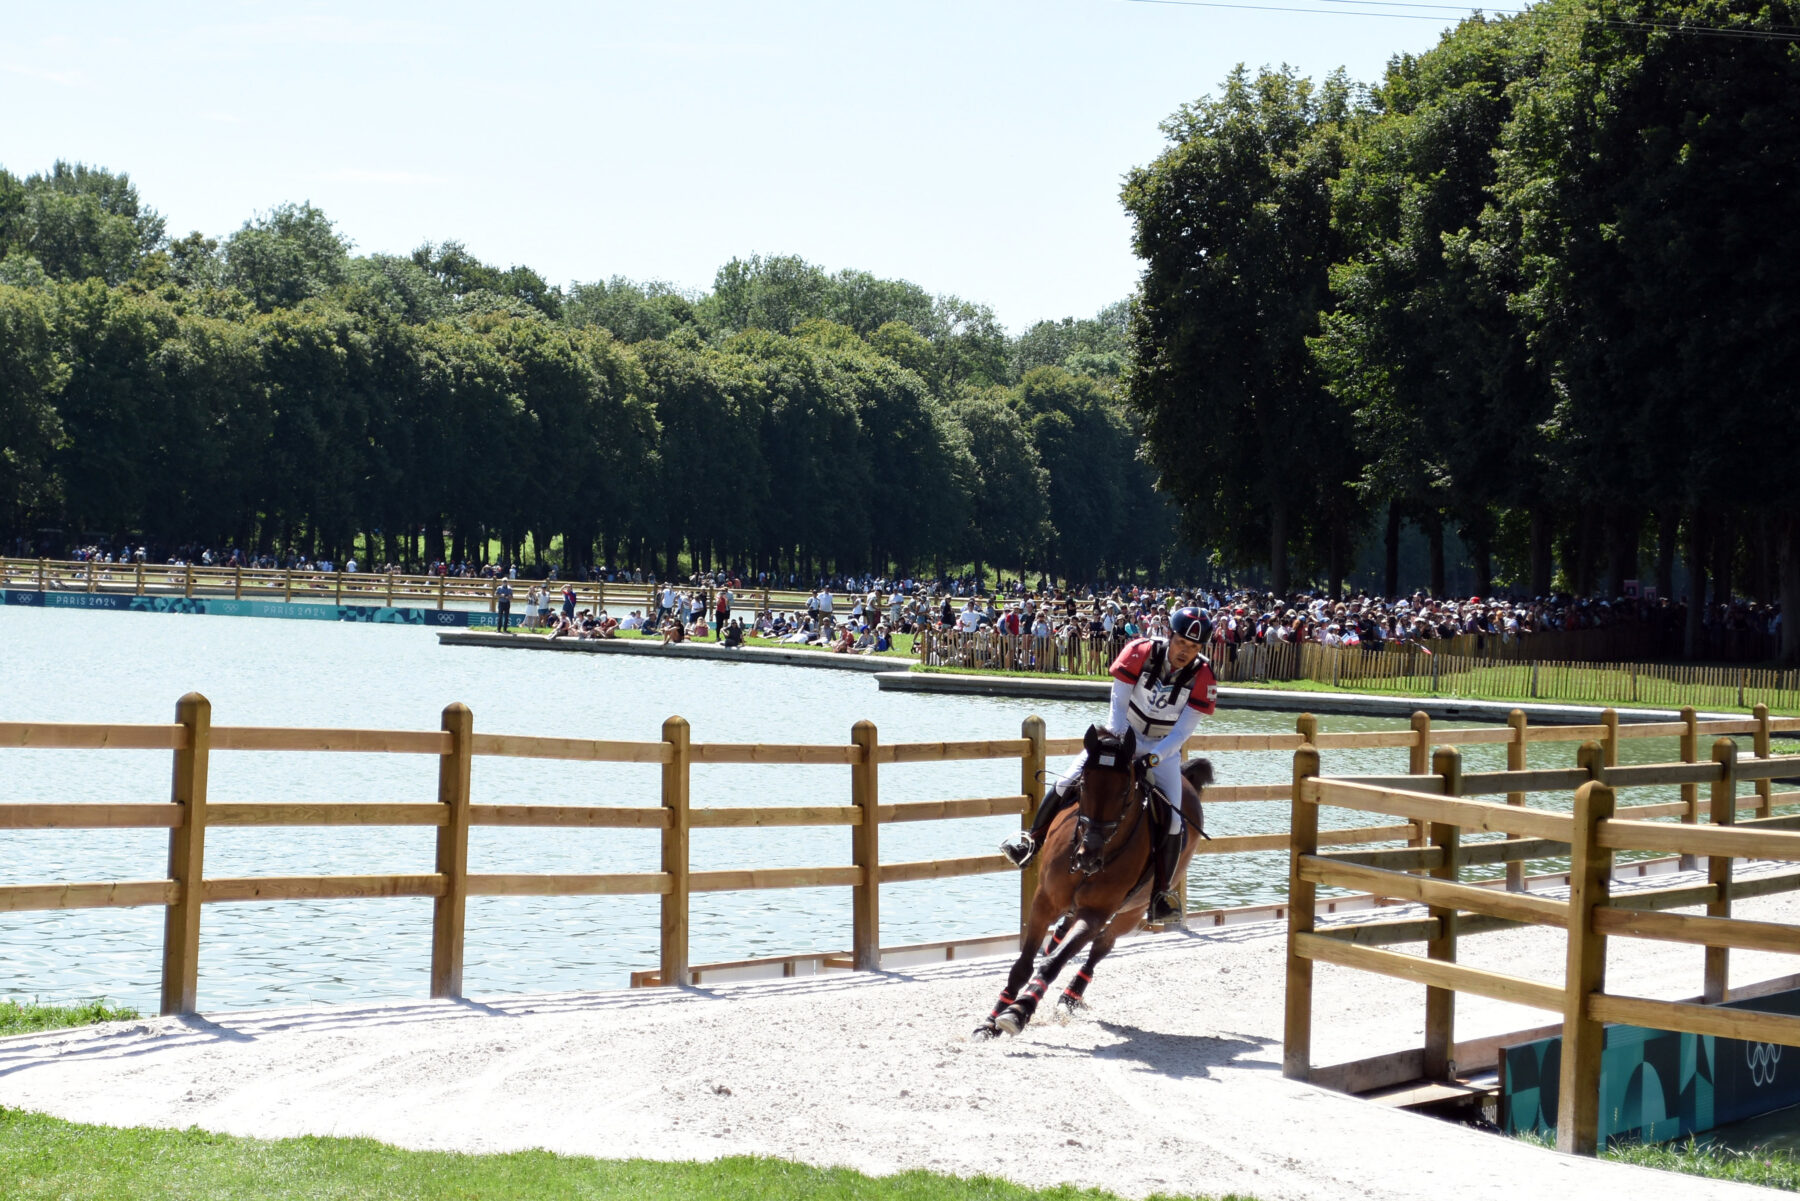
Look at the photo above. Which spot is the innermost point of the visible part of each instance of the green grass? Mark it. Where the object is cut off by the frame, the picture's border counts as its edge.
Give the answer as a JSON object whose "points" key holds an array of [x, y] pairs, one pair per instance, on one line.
{"points": [[1759, 1166], [16, 1018], [43, 1157]]}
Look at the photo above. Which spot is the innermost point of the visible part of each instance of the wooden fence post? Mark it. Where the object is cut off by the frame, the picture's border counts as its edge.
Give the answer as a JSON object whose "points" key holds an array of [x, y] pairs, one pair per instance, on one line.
{"points": [[1516, 761], [1610, 744], [1765, 787], [338, 591], [140, 579], [43, 574], [390, 591], [1418, 763], [674, 968], [1031, 783], [448, 909], [1690, 793], [187, 588], [865, 846], [1440, 1003], [187, 858], [1590, 879], [1303, 840], [1718, 868], [237, 582], [1307, 726], [287, 586]]}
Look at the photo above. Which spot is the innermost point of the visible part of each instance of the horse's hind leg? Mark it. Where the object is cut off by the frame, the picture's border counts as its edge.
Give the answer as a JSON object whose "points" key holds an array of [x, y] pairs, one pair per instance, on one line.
{"points": [[1014, 1017], [1071, 998]]}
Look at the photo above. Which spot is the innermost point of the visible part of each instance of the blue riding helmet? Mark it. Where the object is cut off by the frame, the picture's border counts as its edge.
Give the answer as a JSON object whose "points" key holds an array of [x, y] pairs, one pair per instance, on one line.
{"points": [[1190, 623]]}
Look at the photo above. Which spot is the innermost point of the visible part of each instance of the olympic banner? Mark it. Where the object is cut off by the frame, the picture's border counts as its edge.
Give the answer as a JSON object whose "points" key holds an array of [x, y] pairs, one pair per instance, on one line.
{"points": [[1657, 1085]]}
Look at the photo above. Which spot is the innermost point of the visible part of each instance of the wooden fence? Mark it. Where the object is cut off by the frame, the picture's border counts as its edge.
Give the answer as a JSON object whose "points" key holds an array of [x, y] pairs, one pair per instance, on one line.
{"points": [[1590, 836], [192, 740], [388, 589], [1412, 669]]}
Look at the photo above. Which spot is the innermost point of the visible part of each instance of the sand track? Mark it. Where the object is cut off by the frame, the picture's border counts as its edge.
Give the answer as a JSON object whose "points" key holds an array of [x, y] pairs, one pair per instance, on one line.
{"points": [[1171, 1083]]}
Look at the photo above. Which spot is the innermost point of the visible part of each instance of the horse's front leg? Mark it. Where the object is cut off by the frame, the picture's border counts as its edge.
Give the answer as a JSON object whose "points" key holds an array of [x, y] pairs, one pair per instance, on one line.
{"points": [[1036, 927], [1071, 998], [1014, 1017]]}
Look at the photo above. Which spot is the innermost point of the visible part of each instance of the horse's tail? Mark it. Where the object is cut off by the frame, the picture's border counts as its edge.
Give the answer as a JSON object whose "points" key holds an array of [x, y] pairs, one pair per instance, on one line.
{"points": [[1199, 773]]}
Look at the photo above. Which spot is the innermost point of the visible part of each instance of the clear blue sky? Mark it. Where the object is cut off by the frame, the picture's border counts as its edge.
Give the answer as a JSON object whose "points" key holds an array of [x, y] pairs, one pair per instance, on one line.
{"points": [[973, 147]]}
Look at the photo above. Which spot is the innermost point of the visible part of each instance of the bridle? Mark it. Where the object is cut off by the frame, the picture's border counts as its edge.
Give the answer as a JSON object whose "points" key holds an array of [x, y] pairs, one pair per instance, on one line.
{"points": [[1108, 831]]}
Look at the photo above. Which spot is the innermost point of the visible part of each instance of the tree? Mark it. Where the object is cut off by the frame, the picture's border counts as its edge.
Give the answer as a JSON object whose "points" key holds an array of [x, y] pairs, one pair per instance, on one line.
{"points": [[286, 255], [31, 380], [1234, 224], [1009, 503], [79, 222]]}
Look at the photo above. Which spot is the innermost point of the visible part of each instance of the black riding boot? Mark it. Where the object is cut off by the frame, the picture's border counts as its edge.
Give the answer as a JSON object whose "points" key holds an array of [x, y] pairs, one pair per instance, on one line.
{"points": [[1021, 847], [1165, 903]]}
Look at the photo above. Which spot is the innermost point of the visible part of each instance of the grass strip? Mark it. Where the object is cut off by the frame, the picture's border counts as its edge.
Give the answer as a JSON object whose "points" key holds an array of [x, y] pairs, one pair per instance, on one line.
{"points": [[18, 1018], [43, 1158], [1760, 1166]]}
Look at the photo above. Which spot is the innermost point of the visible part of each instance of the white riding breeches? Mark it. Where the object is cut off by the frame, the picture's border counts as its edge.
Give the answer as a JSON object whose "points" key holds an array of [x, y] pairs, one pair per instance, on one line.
{"points": [[1167, 778]]}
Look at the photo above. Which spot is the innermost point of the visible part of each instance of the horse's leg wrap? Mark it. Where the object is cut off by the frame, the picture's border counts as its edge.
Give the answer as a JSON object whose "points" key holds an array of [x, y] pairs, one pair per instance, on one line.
{"points": [[1016, 1015], [1072, 994], [1006, 998]]}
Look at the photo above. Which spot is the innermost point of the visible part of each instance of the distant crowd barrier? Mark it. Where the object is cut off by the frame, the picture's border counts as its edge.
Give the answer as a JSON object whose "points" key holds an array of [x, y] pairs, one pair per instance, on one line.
{"points": [[1414, 668], [192, 740]]}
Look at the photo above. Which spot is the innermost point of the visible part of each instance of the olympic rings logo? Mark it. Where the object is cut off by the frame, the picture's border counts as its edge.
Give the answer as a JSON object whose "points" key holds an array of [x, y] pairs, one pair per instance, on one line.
{"points": [[1762, 1058]]}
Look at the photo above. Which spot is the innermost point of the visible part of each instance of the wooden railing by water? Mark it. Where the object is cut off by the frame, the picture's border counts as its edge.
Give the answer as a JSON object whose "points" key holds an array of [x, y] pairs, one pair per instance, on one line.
{"points": [[1589, 836], [192, 740]]}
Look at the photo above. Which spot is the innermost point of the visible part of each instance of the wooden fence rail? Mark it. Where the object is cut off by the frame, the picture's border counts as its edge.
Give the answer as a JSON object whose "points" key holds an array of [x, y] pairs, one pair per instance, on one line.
{"points": [[1591, 834], [1419, 799]]}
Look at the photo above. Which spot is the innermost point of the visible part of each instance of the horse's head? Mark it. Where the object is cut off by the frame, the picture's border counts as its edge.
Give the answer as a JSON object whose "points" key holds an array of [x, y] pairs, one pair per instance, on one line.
{"points": [[1107, 790]]}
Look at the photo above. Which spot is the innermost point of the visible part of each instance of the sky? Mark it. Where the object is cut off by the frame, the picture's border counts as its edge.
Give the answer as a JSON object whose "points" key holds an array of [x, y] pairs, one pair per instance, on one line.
{"points": [[975, 148]]}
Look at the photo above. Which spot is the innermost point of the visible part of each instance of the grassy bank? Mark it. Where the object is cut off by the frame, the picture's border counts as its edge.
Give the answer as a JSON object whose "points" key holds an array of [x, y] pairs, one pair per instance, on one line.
{"points": [[44, 1158], [17, 1018], [1759, 1166]]}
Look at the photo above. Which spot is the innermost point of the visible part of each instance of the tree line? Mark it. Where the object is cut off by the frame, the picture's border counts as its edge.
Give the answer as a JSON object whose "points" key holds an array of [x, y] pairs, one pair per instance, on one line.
{"points": [[277, 392], [1537, 285]]}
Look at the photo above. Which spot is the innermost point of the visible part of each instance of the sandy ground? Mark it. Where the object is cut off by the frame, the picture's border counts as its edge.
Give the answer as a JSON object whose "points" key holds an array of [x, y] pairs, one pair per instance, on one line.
{"points": [[1170, 1082]]}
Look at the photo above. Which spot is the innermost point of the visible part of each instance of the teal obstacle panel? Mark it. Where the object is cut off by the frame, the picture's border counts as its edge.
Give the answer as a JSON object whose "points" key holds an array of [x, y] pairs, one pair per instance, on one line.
{"points": [[1657, 1085], [226, 607]]}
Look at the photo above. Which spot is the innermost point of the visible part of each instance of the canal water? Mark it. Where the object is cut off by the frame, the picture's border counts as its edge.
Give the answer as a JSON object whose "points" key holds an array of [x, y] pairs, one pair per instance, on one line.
{"points": [[132, 667]]}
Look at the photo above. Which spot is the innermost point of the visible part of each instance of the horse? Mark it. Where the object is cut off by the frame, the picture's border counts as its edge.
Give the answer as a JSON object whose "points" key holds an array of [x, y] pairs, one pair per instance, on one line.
{"points": [[1105, 843]]}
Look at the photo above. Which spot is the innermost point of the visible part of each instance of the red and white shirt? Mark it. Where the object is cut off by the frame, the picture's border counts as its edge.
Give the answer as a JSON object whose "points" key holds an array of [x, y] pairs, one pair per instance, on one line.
{"points": [[1159, 693]]}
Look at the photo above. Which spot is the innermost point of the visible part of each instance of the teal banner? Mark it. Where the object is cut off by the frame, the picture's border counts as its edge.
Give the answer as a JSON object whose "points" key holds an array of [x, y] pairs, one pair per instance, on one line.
{"points": [[1656, 1085], [227, 607]]}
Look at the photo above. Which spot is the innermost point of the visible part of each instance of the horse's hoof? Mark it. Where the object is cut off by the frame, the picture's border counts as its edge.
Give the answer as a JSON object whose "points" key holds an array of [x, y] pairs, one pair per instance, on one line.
{"points": [[1065, 1009], [984, 1031], [1009, 1022]]}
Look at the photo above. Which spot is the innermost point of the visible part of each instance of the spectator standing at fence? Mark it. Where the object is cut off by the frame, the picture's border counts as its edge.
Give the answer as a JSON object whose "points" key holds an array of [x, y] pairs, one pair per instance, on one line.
{"points": [[503, 605], [722, 613], [568, 610]]}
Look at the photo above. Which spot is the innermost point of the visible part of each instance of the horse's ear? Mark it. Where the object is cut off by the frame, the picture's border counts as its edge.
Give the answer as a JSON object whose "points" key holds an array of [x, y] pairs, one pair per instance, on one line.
{"points": [[1130, 744], [1091, 743]]}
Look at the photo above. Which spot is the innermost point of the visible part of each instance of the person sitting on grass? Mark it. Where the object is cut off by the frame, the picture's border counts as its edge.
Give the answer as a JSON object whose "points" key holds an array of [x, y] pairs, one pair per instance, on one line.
{"points": [[607, 627], [699, 628], [673, 630], [734, 632], [884, 640], [844, 643], [865, 642]]}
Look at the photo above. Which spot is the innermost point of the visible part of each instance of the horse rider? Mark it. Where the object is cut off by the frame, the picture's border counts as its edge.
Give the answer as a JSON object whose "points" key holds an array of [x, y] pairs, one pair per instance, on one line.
{"points": [[1161, 688]]}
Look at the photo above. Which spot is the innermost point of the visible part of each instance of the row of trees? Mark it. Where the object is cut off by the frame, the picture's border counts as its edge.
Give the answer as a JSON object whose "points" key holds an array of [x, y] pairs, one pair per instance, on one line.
{"points": [[275, 391], [1537, 285]]}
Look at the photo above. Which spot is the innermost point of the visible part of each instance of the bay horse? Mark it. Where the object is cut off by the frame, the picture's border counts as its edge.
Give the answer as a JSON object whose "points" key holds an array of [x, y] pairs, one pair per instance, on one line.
{"points": [[1094, 876]]}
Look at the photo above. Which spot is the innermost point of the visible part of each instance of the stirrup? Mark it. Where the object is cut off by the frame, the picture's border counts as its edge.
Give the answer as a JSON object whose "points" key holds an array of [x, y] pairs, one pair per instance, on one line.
{"points": [[1164, 907], [1019, 849]]}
